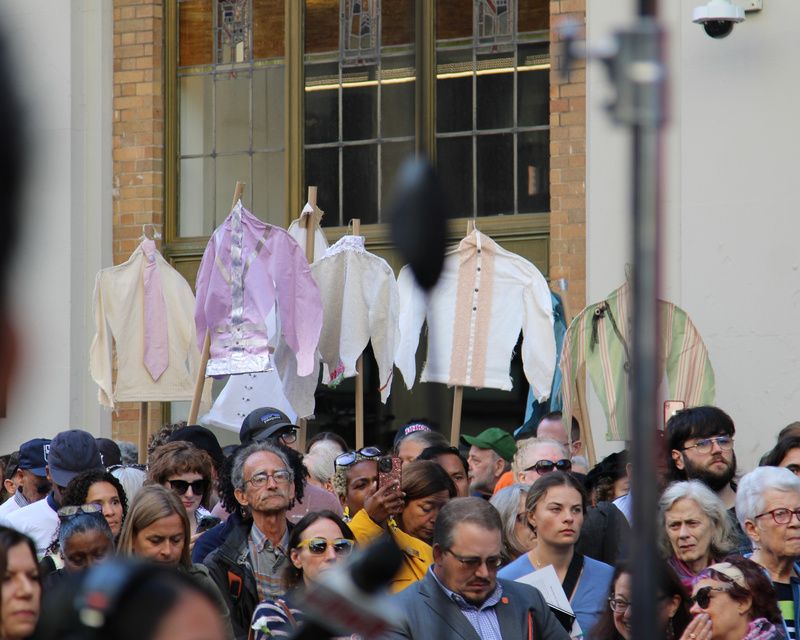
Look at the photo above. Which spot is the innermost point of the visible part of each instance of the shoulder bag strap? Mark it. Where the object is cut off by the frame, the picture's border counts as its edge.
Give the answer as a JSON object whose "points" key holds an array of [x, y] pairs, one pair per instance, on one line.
{"points": [[573, 573]]}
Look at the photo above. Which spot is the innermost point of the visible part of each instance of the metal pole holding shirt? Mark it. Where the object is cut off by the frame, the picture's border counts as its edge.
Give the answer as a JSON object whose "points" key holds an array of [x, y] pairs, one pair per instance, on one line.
{"points": [[635, 60]]}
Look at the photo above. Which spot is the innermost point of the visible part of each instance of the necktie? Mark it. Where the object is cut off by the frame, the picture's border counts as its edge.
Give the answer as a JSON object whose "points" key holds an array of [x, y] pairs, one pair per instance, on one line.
{"points": [[156, 348]]}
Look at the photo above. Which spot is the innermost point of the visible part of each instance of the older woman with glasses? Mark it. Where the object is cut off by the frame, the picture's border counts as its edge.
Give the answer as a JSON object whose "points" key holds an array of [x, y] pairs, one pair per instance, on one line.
{"points": [[695, 529], [768, 509], [556, 505], [673, 606], [518, 536], [733, 600], [537, 457], [317, 544]]}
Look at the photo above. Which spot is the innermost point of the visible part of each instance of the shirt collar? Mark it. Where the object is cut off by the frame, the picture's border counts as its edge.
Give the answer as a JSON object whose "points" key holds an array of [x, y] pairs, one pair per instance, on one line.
{"points": [[491, 601], [261, 542], [20, 499]]}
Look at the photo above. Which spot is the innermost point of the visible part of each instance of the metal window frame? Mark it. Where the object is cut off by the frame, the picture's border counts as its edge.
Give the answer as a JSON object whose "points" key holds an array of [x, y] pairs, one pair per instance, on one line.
{"points": [[189, 249]]}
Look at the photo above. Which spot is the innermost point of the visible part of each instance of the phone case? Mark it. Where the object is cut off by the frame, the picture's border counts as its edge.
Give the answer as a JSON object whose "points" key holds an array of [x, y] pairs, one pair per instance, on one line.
{"points": [[389, 471]]}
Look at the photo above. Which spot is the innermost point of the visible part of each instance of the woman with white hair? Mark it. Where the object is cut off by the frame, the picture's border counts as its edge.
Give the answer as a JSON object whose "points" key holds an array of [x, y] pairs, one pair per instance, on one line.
{"points": [[518, 537], [696, 531], [768, 508]]}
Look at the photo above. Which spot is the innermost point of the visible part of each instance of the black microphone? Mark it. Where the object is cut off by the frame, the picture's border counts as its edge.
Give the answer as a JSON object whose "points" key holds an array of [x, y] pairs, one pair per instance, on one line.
{"points": [[351, 598]]}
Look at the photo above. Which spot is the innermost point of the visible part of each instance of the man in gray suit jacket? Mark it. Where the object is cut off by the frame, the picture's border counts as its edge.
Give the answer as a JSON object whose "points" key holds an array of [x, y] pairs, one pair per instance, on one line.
{"points": [[461, 597]]}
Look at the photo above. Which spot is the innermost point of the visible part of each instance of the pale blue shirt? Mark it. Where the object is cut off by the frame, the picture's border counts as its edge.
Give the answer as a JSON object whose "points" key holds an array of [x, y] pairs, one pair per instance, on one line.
{"points": [[483, 618]]}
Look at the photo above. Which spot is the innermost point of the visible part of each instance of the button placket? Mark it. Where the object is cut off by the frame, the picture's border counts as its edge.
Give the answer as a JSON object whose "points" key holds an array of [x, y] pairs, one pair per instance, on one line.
{"points": [[473, 319]]}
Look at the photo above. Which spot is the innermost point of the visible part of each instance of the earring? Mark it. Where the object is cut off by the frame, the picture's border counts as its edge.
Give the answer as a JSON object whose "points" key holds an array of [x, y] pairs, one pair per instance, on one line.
{"points": [[671, 629]]}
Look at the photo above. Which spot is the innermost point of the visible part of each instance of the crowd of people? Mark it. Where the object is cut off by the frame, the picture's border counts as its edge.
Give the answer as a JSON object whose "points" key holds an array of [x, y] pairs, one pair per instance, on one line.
{"points": [[239, 540]]}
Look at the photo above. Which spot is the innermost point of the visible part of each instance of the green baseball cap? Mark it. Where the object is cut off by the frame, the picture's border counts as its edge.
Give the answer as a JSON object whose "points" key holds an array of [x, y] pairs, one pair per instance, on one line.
{"points": [[498, 440]]}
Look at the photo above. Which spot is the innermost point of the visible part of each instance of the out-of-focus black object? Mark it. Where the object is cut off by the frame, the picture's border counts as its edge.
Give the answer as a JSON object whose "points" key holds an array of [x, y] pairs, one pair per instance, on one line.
{"points": [[351, 598], [116, 600], [418, 215]]}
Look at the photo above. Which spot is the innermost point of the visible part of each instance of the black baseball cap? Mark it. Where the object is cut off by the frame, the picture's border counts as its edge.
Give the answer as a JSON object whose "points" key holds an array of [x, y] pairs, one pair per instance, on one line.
{"points": [[109, 452], [264, 423], [201, 438], [33, 456], [71, 452]]}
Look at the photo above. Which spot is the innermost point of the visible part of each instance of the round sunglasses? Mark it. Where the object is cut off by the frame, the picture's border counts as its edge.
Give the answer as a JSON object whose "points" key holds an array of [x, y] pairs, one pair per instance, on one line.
{"points": [[318, 546]]}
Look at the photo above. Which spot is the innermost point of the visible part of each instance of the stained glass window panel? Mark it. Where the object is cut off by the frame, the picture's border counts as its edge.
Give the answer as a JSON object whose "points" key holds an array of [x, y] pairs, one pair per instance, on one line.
{"points": [[233, 32]]}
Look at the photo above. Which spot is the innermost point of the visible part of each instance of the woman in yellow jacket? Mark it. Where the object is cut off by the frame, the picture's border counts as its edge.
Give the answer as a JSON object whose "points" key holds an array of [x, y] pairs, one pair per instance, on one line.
{"points": [[409, 513]]}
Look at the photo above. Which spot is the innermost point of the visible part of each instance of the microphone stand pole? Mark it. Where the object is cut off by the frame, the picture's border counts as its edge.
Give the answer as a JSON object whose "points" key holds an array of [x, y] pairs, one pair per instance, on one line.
{"points": [[635, 61]]}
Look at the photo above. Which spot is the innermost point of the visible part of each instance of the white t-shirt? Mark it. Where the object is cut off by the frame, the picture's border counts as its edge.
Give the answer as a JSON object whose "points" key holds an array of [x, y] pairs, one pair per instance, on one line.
{"points": [[14, 503], [39, 521]]}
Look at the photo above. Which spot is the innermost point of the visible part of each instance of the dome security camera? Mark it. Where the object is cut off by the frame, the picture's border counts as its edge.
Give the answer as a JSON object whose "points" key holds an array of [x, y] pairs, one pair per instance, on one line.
{"points": [[718, 17]]}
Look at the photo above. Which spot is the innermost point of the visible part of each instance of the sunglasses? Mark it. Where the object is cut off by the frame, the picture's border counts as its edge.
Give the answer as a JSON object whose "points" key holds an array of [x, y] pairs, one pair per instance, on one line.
{"points": [[182, 486], [350, 457], [703, 596], [318, 546], [546, 466], [65, 513]]}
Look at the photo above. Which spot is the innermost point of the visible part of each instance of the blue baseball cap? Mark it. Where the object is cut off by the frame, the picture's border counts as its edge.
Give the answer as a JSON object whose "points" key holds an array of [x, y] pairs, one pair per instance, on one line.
{"points": [[71, 452], [33, 456]]}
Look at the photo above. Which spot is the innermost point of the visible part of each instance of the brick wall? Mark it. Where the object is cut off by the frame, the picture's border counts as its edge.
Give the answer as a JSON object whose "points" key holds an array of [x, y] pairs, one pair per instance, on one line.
{"points": [[568, 162], [138, 146]]}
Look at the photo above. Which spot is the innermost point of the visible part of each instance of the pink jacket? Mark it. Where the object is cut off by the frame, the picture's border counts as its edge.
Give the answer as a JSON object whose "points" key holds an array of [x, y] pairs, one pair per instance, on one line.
{"points": [[247, 267]]}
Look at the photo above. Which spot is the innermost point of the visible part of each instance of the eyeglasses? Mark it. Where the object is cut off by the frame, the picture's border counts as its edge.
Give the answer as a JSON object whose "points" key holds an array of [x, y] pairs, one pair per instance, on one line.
{"points": [[289, 437], [725, 443], [618, 605], [182, 486], [260, 479], [546, 466], [318, 546], [350, 457], [781, 515], [474, 562], [65, 513], [703, 596]]}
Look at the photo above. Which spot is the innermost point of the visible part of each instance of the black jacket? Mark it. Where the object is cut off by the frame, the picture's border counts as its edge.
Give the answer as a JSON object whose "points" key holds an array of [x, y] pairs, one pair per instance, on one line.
{"points": [[228, 567]]}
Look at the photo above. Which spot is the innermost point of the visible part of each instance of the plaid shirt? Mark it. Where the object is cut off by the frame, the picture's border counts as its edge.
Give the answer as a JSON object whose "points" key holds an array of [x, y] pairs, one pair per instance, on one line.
{"points": [[267, 563], [483, 618]]}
